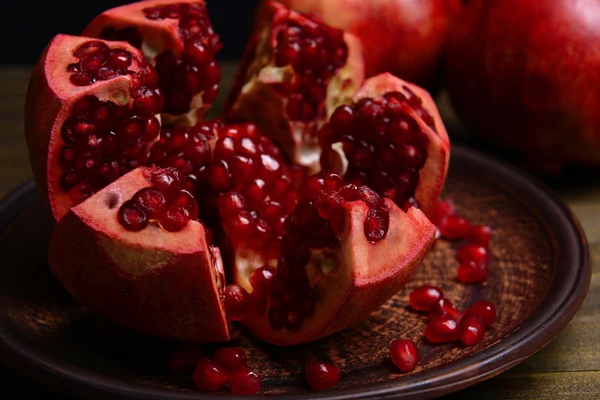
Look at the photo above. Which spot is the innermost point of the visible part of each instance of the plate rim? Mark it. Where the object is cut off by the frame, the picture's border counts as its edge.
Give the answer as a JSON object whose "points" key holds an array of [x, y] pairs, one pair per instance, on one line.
{"points": [[542, 325]]}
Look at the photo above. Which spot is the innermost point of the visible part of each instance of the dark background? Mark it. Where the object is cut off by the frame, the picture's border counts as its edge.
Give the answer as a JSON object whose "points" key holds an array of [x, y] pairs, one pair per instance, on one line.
{"points": [[28, 26]]}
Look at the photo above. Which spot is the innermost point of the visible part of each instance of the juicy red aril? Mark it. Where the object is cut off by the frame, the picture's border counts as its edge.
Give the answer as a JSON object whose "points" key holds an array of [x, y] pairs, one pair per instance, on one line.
{"points": [[383, 143], [472, 272], [210, 376], [424, 297], [321, 375], [185, 359], [315, 52], [237, 302], [245, 382], [131, 217], [260, 279], [167, 181], [454, 227], [442, 209], [95, 60], [471, 330], [187, 201], [405, 354], [474, 253], [441, 329], [175, 218], [193, 71], [152, 202], [480, 235], [484, 310], [232, 358], [376, 223], [444, 307]]}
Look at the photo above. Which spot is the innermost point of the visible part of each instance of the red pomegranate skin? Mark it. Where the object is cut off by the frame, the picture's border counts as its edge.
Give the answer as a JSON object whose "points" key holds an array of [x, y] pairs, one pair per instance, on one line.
{"points": [[524, 74], [404, 37]]}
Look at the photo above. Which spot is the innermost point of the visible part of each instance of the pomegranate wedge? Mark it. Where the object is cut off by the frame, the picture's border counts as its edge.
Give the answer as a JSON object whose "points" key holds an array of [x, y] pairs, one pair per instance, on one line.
{"points": [[344, 253], [295, 71], [134, 254]]}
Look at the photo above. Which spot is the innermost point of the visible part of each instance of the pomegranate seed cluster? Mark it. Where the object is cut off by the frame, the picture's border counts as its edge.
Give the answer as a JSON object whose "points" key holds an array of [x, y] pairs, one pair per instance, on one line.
{"points": [[103, 140], [315, 52], [383, 143], [98, 62], [165, 202], [314, 224], [447, 323], [195, 70]]}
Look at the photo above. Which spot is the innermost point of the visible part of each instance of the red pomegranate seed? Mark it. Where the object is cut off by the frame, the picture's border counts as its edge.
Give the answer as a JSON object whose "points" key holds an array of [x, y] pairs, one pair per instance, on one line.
{"points": [[376, 223], [483, 310], [441, 329], [175, 219], [232, 358], [444, 307], [237, 302], [187, 201], [480, 235], [321, 375], [185, 359], [342, 119], [152, 202], [245, 382], [405, 354], [454, 227], [472, 253], [131, 217], [472, 272], [471, 330], [167, 181], [120, 59], [210, 376], [424, 297], [261, 278]]}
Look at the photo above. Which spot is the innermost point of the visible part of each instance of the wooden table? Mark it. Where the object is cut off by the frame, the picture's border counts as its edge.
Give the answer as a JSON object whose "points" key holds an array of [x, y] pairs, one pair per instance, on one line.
{"points": [[569, 367]]}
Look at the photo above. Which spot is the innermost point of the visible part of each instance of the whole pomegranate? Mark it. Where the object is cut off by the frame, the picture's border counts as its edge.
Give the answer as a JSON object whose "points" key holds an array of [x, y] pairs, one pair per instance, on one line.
{"points": [[404, 37], [524, 74]]}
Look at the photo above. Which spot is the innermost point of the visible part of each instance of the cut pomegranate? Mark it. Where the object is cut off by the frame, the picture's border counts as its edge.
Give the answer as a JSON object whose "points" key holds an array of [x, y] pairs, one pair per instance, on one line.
{"points": [[166, 284], [295, 71], [454, 227], [232, 358], [245, 382], [483, 310], [392, 139], [90, 115], [473, 253], [210, 376], [442, 329], [444, 307], [471, 330], [405, 354], [424, 297], [321, 375], [472, 272], [338, 260], [480, 235], [177, 37]]}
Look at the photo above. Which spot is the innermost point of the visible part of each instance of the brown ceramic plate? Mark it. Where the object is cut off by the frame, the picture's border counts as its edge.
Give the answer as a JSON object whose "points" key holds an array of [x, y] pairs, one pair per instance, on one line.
{"points": [[540, 275]]}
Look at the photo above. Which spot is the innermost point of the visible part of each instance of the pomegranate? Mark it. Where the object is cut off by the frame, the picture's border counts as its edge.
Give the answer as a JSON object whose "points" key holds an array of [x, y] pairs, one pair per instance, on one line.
{"points": [[166, 284], [176, 36], [522, 74], [90, 115], [344, 252], [404, 37], [295, 71], [322, 375], [392, 139]]}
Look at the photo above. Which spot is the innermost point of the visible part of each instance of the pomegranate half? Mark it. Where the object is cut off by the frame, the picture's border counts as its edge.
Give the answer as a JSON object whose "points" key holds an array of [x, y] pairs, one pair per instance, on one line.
{"points": [[177, 37], [122, 257], [91, 112], [345, 251], [392, 139], [294, 72]]}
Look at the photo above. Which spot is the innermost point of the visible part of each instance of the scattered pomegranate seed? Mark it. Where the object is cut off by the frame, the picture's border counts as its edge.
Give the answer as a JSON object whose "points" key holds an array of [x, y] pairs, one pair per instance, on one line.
{"points": [[232, 358], [210, 376], [443, 208], [454, 227], [244, 382], [442, 329], [480, 235], [474, 253], [444, 307], [484, 310], [321, 375], [185, 359], [472, 272], [471, 330], [424, 297], [237, 302], [405, 354]]}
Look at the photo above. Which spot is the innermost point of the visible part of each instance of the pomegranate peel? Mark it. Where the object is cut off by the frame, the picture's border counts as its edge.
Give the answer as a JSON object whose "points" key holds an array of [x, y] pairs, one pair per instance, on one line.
{"points": [[266, 88], [166, 284]]}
